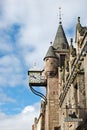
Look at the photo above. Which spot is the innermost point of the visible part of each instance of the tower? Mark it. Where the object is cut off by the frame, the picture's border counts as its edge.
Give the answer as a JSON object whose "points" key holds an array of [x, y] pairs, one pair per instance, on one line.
{"points": [[65, 78], [54, 61], [51, 71]]}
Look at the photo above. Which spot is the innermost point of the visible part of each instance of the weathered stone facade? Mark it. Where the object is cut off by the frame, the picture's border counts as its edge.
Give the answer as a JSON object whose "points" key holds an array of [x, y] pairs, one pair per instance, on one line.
{"points": [[66, 75]]}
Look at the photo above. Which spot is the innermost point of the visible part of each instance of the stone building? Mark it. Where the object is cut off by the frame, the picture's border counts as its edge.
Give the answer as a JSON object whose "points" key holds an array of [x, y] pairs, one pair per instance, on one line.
{"points": [[39, 123], [65, 74]]}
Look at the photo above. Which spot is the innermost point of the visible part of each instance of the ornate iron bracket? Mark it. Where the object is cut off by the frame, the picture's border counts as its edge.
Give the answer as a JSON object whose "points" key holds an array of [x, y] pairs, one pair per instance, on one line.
{"points": [[38, 94]]}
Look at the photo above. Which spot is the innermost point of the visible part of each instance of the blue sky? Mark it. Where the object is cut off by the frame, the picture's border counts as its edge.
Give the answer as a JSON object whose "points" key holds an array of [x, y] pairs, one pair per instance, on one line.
{"points": [[26, 30]]}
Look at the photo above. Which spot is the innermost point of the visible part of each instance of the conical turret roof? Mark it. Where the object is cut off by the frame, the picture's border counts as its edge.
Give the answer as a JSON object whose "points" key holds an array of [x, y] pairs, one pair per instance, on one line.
{"points": [[60, 41], [50, 53]]}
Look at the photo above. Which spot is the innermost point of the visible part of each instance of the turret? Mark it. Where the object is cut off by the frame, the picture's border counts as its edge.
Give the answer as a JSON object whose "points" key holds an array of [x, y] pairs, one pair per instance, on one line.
{"points": [[51, 62], [60, 45], [51, 73]]}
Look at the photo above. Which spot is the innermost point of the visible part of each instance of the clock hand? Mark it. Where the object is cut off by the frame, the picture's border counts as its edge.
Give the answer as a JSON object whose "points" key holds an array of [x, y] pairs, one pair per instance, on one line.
{"points": [[33, 76]]}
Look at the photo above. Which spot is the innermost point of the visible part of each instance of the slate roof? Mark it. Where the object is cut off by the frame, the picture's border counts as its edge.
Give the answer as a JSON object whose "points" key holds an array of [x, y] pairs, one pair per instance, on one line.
{"points": [[60, 41], [50, 53]]}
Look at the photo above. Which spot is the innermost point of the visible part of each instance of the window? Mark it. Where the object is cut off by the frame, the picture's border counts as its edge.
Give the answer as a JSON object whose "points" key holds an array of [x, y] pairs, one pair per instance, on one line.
{"points": [[62, 60], [56, 128]]}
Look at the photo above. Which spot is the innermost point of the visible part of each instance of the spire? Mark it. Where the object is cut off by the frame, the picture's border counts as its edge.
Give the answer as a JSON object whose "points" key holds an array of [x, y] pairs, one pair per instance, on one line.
{"points": [[60, 41], [72, 49], [78, 19], [80, 28], [71, 45], [50, 53], [60, 19], [71, 42]]}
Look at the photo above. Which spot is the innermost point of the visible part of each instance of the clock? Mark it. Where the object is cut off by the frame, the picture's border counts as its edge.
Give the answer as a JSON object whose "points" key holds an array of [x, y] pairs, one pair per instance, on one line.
{"points": [[34, 77]]}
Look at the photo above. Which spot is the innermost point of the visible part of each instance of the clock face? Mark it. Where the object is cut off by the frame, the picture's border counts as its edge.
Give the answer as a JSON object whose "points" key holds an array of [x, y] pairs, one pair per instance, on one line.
{"points": [[34, 77]]}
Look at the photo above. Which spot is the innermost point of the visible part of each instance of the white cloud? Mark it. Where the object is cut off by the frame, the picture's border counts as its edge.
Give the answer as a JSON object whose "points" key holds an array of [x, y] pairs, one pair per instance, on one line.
{"points": [[4, 98], [22, 121], [10, 71], [39, 23], [4, 48], [28, 109]]}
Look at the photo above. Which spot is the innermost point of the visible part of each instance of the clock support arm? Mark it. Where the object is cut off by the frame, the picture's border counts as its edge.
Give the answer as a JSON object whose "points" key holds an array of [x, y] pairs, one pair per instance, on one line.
{"points": [[38, 94]]}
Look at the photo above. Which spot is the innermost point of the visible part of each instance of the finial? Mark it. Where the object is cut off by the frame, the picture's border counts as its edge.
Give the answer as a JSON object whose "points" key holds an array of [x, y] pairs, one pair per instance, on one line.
{"points": [[78, 19], [60, 16], [35, 68], [71, 41], [35, 65], [51, 43]]}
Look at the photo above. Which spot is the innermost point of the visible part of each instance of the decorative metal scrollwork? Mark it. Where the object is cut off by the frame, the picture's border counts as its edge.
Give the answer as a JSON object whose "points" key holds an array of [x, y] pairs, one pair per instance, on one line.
{"points": [[38, 94]]}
